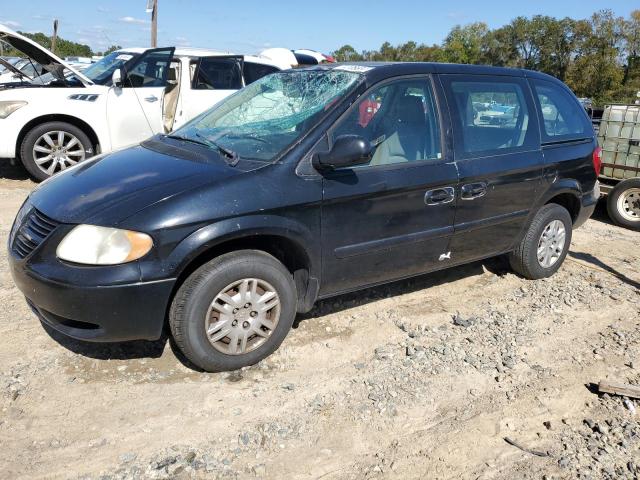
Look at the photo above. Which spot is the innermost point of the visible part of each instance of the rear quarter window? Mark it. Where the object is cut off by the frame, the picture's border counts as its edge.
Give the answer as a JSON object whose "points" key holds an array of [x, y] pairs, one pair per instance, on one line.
{"points": [[561, 115], [255, 71], [217, 74]]}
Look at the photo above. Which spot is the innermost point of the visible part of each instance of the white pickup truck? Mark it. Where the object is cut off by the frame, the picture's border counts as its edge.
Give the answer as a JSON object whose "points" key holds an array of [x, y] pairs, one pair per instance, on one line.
{"points": [[59, 119]]}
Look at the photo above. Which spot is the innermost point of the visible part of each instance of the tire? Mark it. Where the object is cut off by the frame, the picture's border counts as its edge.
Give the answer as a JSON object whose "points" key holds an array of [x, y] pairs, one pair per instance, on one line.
{"points": [[192, 312], [525, 260], [623, 204], [46, 137]]}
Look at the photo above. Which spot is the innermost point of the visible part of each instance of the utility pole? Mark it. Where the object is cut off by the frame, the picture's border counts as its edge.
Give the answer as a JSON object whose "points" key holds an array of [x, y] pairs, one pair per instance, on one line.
{"points": [[152, 8], [54, 38]]}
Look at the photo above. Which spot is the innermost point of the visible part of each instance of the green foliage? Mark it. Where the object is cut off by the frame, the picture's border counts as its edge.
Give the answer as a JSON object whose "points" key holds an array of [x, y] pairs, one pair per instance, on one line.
{"points": [[64, 48], [347, 53], [597, 57], [465, 44], [112, 48]]}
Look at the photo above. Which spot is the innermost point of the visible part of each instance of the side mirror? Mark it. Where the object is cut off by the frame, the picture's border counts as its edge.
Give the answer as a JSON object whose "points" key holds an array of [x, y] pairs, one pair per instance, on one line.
{"points": [[347, 151], [116, 78]]}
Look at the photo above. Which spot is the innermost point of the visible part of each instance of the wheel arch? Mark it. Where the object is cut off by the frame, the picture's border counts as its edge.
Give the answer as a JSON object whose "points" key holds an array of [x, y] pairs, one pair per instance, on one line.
{"points": [[569, 201], [75, 121], [289, 245], [566, 193]]}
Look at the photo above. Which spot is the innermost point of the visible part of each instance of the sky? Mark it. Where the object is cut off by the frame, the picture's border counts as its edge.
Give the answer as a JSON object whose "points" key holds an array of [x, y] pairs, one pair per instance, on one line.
{"points": [[249, 26]]}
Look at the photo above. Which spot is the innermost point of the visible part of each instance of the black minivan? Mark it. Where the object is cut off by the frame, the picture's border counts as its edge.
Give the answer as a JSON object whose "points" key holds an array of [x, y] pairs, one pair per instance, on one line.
{"points": [[308, 183]]}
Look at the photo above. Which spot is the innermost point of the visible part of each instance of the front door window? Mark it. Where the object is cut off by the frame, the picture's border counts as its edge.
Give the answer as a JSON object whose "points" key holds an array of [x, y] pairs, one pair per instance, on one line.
{"points": [[151, 70], [400, 121]]}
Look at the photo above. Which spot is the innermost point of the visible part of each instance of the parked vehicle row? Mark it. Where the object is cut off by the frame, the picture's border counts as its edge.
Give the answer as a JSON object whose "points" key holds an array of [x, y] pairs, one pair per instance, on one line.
{"points": [[23, 69], [305, 184], [8, 62], [68, 115]]}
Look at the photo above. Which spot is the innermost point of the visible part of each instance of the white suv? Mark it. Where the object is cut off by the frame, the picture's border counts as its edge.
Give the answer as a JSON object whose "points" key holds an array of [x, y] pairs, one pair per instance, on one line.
{"points": [[65, 116]]}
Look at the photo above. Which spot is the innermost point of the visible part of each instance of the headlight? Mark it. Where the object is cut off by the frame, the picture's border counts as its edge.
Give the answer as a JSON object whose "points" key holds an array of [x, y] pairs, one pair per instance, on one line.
{"points": [[93, 245], [7, 108]]}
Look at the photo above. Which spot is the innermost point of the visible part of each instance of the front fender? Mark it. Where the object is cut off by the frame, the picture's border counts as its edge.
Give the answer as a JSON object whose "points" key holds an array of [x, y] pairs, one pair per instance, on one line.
{"points": [[53, 104], [224, 231]]}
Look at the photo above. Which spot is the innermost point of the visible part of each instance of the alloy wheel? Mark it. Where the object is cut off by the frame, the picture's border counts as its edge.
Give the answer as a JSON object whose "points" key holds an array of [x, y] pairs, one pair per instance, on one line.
{"points": [[551, 244], [55, 151], [242, 316]]}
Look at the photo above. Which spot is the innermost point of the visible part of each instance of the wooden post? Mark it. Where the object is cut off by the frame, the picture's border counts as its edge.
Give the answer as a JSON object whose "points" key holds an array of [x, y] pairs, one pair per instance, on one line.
{"points": [[154, 25], [616, 388], [55, 37]]}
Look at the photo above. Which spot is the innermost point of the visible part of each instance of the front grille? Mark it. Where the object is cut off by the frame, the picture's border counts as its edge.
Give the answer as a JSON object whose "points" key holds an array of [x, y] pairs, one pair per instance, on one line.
{"points": [[35, 228]]}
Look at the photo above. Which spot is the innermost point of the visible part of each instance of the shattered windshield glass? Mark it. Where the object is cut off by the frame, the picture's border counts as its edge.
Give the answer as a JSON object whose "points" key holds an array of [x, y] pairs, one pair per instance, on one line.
{"points": [[265, 118]]}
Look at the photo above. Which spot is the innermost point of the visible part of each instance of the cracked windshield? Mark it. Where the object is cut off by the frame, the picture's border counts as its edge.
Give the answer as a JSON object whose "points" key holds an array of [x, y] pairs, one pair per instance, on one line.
{"points": [[269, 115]]}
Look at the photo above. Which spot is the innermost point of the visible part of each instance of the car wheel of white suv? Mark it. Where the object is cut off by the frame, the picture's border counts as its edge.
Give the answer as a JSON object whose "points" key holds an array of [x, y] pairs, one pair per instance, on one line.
{"points": [[52, 147]]}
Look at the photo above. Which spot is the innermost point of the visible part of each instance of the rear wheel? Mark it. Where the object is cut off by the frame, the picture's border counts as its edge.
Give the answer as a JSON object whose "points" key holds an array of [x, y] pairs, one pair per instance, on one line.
{"points": [[545, 245], [233, 311], [52, 147], [623, 204]]}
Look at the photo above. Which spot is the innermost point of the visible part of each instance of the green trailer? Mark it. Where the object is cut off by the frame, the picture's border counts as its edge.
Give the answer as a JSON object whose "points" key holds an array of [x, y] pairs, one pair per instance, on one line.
{"points": [[619, 138]]}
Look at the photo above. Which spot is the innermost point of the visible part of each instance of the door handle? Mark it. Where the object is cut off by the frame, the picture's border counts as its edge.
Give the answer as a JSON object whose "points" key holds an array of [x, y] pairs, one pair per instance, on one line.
{"points": [[151, 99], [471, 191], [439, 196]]}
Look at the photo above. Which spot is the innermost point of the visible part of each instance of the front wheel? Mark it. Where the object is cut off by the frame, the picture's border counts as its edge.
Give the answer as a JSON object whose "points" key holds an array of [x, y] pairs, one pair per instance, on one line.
{"points": [[233, 311], [545, 245], [52, 147], [623, 204]]}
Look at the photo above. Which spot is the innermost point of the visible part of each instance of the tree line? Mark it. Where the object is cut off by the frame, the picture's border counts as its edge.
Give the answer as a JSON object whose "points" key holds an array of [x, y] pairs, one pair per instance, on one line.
{"points": [[64, 48], [598, 57]]}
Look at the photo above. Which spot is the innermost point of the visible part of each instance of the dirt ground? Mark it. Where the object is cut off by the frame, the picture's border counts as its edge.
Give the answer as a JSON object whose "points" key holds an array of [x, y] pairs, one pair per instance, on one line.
{"points": [[419, 379]]}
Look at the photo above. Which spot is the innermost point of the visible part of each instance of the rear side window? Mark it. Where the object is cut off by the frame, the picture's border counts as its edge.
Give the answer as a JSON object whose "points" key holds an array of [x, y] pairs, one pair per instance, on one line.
{"points": [[255, 71], [218, 74], [490, 115], [563, 117]]}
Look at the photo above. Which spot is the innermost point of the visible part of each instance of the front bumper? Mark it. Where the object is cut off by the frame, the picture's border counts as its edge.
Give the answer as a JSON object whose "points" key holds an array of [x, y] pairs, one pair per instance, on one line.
{"points": [[109, 313], [10, 129], [588, 201]]}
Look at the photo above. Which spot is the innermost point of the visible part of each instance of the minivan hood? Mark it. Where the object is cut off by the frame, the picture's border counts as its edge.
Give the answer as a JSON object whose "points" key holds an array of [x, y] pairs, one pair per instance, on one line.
{"points": [[38, 53], [107, 190]]}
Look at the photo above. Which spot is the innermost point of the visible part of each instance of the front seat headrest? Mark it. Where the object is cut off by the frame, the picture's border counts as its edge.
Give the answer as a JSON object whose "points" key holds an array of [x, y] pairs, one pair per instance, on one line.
{"points": [[411, 110]]}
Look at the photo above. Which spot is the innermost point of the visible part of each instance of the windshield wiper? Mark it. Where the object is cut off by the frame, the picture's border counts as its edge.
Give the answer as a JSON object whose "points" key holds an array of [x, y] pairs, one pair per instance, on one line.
{"points": [[231, 157], [187, 139]]}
